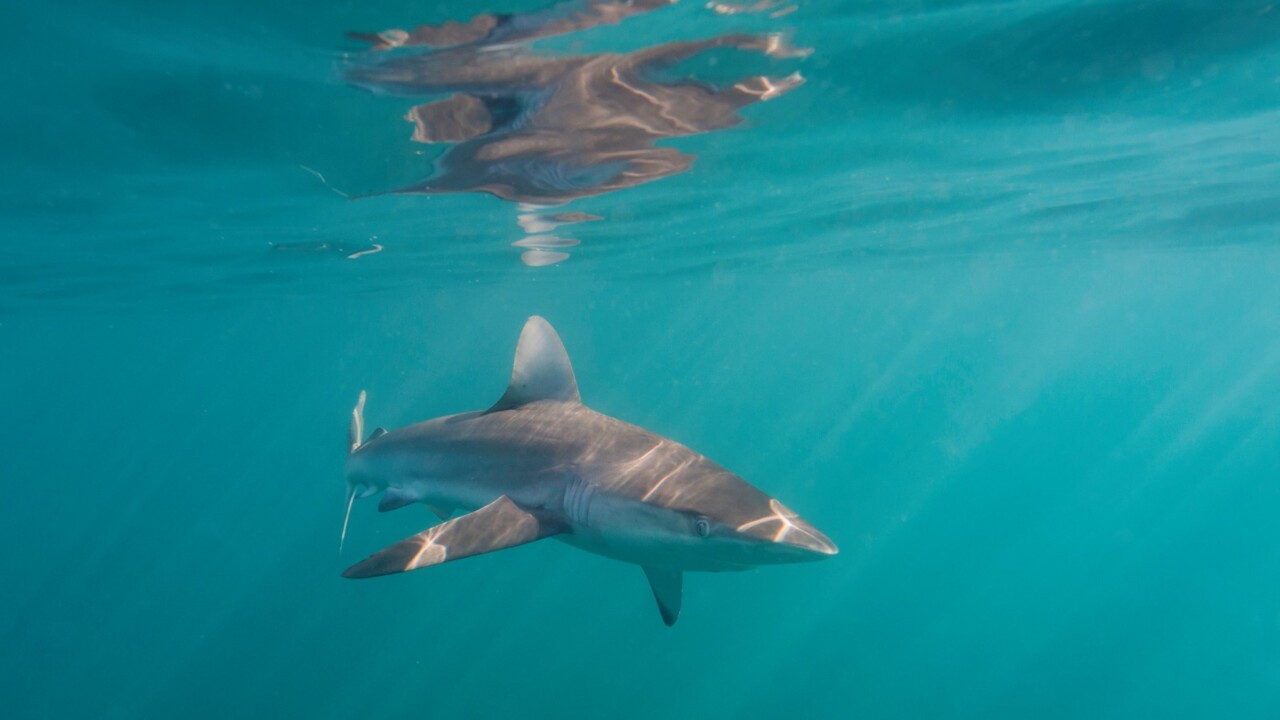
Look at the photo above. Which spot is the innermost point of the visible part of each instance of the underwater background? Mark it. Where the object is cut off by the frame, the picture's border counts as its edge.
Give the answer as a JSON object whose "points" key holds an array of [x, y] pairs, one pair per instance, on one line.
{"points": [[991, 299]]}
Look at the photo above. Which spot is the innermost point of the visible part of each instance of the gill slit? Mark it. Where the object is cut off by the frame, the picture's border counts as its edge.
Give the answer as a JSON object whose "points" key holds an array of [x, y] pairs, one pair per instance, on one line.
{"points": [[577, 501]]}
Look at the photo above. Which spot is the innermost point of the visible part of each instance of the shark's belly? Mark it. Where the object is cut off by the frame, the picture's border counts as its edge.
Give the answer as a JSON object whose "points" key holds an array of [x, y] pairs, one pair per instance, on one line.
{"points": [[647, 554], [636, 532]]}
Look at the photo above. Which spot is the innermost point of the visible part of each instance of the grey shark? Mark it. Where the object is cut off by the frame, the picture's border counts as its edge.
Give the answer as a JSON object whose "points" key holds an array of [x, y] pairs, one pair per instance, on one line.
{"points": [[539, 464]]}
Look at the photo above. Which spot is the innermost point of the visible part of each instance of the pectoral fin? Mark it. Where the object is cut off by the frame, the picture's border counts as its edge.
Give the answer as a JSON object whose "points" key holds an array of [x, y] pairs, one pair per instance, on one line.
{"points": [[498, 525], [667, 588]]}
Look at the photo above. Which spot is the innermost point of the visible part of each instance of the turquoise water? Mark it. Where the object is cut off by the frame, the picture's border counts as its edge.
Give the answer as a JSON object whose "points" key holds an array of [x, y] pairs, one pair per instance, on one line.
{"points": [[990, 299]]}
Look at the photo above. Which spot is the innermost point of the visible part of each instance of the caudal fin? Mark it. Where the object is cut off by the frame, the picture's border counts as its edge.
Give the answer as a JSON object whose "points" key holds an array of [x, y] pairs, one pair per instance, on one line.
{"points": [[356, 430], [354, 433], [346, 516]]}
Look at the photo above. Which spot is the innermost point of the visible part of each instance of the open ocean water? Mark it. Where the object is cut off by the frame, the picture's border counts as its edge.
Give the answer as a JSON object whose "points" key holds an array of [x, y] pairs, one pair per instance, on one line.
{"points": [[987, 291]]}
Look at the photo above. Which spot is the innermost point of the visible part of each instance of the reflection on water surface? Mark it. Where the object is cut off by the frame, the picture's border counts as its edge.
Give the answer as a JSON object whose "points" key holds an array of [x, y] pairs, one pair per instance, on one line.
{"points": [[544, 129]]}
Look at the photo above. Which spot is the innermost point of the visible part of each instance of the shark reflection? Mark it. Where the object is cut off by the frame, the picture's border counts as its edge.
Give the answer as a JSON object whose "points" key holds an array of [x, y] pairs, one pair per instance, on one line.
{"points": [[545, 129]]}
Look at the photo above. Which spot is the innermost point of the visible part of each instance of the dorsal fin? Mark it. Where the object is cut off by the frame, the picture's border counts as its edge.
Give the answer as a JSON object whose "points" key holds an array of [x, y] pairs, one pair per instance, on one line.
{"points": [[541, 371]]}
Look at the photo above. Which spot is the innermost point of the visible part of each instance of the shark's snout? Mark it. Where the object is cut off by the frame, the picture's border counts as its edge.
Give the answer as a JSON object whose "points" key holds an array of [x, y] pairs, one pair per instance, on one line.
{"points": [[787, 537], [808, 539]]}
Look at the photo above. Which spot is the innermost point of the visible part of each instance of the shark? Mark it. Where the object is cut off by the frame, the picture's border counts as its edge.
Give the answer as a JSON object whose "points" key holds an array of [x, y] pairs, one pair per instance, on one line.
{"points": [[541, 464]]}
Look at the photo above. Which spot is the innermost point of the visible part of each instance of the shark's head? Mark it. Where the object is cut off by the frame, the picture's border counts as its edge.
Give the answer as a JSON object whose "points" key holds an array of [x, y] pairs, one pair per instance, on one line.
{"points": [[749, 531], [777, 535], [707, 518]]}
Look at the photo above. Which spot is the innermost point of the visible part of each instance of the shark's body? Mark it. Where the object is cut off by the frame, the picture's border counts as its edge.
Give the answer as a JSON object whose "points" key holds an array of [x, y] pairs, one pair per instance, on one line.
{"points": [[539, 463]]}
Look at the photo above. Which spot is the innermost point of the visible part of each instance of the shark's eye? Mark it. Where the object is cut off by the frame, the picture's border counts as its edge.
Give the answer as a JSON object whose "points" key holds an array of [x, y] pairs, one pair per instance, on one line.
{"points": [[702, 527]]}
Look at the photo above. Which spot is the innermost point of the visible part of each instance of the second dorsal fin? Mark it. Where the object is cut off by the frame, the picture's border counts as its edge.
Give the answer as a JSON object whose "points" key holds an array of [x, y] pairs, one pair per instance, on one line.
{"points": [[541, 371]]}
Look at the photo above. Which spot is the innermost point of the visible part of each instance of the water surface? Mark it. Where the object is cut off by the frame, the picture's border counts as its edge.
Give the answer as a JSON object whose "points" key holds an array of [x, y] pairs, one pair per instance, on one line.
{"points": [[990, 298]]}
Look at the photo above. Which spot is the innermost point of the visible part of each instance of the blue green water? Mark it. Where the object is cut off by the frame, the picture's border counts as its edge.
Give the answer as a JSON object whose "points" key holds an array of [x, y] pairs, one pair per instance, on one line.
{"points": [[991, 299]]}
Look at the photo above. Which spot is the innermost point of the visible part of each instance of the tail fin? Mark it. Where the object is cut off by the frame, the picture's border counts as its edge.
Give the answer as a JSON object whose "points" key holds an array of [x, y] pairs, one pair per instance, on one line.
{"points": [[354, 434], [346, 516], [357, 424]]}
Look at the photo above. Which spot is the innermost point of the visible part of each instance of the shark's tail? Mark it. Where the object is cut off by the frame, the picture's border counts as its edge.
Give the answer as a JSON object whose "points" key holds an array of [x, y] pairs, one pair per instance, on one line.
{"points": [[346, 516], [354, 434], [357, 424]]}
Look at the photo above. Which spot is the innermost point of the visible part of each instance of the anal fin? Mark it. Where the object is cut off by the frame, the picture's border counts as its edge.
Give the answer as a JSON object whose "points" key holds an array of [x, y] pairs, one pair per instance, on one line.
{"points": [[499, 525], [668, 588]]}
